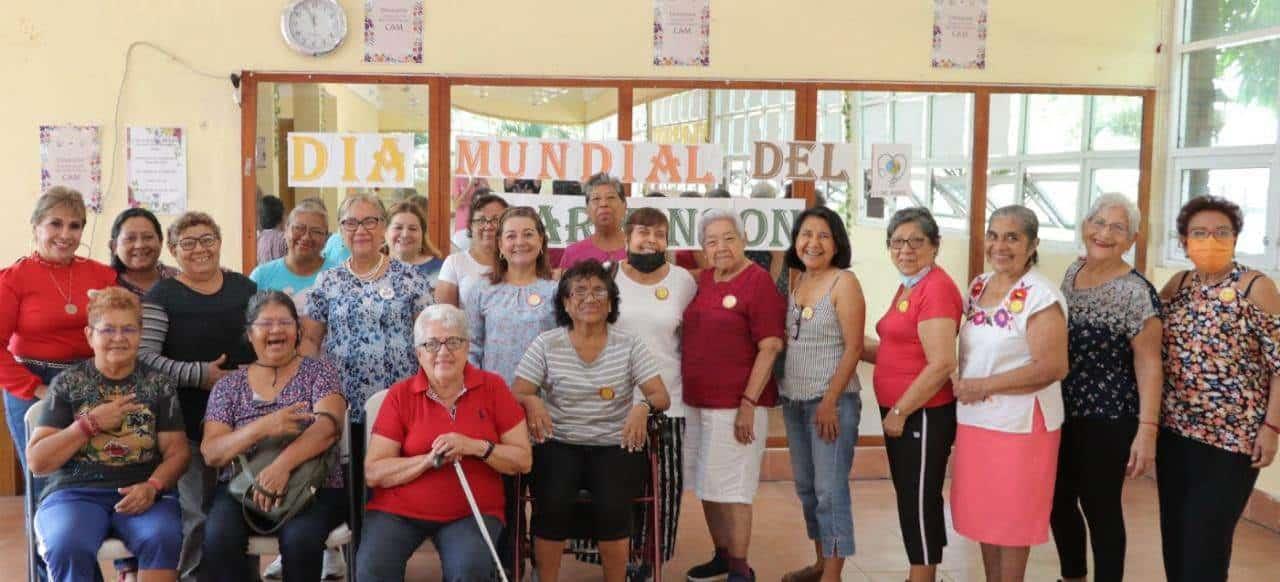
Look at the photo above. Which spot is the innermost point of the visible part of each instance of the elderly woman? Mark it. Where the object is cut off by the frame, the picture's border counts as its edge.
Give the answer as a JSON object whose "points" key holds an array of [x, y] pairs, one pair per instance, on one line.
{"points": [[468, 417], [407, 241], [1220, 412], [577, 385], [192, 331], [606, 208], [820, 394], [914, 359], [463, 269], [284, 396], [295, 272], [135, 243], [1013, 354], [112, 446], [733, 332], [1111, 394], [361, 314], [43, 297]]}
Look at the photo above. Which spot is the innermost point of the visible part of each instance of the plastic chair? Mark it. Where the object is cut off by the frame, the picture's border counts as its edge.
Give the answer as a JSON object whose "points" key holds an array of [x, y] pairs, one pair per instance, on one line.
{"points": [[111, 549], [650, 551]]}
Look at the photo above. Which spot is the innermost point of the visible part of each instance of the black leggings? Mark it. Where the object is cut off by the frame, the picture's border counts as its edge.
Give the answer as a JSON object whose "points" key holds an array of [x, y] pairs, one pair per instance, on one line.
{"points": [[613, 476], [1203, 491], [918, 465], [1091, 471]]}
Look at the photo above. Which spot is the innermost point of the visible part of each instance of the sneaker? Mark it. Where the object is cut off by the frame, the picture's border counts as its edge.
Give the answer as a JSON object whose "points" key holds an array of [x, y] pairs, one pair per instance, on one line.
{"points": [[810, 573], [716, 569], [275, 571], [335, 567], [750, 577]]}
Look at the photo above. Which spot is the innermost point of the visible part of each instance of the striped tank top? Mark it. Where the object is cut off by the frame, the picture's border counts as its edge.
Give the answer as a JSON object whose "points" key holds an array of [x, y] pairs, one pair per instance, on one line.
{"points": [[814, 346]]}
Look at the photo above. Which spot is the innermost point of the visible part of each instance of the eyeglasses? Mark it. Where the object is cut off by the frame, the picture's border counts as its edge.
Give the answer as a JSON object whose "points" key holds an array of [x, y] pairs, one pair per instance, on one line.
{"points": [[269, 324], [207, 241], [598, 200], [111, 330], [913, 243], [369, 223], [583, 294], [299, 230], [481, 221], [1204, 233], [1117, 228], [452, 343]]}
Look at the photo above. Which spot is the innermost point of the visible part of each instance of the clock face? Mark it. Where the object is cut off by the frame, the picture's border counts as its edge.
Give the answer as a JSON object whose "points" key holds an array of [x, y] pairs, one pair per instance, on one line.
{"points": [[313, 27]]}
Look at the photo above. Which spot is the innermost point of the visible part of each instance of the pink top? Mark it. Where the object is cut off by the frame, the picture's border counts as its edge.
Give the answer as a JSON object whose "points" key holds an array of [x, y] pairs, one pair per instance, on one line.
{"points": [[587, 249]]}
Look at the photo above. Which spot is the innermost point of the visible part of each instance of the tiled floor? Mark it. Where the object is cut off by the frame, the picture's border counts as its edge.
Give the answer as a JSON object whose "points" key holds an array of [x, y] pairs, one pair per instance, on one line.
{"points": [[779, 544]]}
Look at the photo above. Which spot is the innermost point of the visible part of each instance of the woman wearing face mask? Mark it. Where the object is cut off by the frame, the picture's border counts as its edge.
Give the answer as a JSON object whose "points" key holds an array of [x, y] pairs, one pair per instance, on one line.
{"points": [[1013, 354], [914, 359], [135, 244], [1220, 413], [462, 269], [1112, 394], [407, 239]]}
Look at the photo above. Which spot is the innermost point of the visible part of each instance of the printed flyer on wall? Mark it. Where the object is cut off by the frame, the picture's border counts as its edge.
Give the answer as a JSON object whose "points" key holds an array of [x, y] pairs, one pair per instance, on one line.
{"points": [[393, 31], [960, 34], [157, 162], [682, 33], [71, 156]]}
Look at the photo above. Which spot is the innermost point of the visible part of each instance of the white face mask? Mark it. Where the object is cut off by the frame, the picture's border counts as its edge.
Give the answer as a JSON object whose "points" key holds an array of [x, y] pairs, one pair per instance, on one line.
{"points": [[910, 281]]}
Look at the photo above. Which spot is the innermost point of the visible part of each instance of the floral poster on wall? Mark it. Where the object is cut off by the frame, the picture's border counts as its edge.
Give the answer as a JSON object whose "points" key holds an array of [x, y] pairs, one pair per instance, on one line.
{"points": [[71, 156], [157, 165], [393, 31], [682, 33], [960, 34]]}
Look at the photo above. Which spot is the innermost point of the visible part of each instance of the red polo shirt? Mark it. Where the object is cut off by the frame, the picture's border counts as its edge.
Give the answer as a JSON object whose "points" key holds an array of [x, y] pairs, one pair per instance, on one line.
{"points": [[486, 411]]}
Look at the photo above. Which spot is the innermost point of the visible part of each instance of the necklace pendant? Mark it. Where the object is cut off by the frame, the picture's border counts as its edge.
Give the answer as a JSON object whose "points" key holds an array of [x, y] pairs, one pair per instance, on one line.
{"points": [[71, 309]]}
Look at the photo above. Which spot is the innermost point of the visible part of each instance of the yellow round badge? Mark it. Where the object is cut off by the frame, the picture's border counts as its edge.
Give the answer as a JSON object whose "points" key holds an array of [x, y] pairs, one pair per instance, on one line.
{"points": [[534, 300], [729, 301], [662, 293], [903, 305], [1228, 295], [606, 393], [1016, 306], [807, 313]]}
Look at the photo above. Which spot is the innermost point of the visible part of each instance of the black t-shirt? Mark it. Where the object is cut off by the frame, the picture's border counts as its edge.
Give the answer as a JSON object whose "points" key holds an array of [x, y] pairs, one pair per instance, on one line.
{"points": [[126, 455], [201, 329]]}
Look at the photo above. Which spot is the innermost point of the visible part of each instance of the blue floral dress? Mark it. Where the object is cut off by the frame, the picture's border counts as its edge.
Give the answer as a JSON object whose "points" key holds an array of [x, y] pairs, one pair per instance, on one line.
{"points": [[369, 327]]}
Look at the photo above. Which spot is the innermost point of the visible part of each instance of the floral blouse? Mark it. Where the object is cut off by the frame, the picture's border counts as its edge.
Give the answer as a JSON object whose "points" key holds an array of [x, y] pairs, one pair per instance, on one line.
{"points": [[505, 319], [1220, 352], [1102, 382], [369, 327]]}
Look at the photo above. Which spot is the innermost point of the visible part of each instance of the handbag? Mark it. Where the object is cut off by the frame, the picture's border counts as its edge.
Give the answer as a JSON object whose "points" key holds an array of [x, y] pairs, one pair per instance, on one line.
{"points": [[304, 482]]}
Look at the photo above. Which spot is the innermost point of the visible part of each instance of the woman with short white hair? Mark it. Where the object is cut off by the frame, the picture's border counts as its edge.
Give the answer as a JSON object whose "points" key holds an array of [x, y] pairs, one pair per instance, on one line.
{"points": [[733, 332], [1111, 393]]}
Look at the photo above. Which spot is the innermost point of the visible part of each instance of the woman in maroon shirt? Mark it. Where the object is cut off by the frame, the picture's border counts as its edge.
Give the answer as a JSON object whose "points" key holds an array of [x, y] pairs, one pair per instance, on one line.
{"points": [[733, 332]]}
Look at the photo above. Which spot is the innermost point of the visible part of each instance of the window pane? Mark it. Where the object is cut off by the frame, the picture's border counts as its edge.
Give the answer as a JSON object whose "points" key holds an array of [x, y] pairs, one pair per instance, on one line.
{"points": [[1054, 123], [1244, 186], [999, 195], [1117, 123], [908, 125], [950, 197], [1229, 95], [832, 127], [948, 138], [1119, 180], [1214, 18], [1006, 116], [875, 127]]}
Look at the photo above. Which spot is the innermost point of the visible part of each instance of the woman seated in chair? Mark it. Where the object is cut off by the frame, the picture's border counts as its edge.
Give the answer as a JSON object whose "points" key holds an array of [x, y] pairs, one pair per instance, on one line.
{"points": [[576, 384], [281, 395], [449, 412], [111, 441]]}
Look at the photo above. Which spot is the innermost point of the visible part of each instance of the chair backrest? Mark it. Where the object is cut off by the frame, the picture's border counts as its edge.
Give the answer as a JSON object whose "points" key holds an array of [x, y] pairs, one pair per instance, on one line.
{"points": [[371, 408], [33, 415]]}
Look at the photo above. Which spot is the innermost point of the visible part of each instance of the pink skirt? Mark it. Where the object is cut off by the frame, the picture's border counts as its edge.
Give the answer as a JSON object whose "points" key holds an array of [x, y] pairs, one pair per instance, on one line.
{"points": [[1002, 484]]}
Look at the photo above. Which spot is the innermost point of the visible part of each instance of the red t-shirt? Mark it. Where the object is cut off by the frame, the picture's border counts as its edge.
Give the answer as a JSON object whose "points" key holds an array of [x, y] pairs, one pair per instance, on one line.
{"points": [[688, 260], [486, 411], [901, 355], [34, 322], [720, 342]]}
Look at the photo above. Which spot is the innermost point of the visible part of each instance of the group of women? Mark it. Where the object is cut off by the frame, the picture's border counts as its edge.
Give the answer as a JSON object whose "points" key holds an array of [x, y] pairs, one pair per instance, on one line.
{"points": [[157, 379]]}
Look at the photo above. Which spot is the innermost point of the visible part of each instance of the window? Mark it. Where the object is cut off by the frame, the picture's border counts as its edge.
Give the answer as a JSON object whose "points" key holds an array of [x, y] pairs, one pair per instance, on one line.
{"points": [[1225, 119]]}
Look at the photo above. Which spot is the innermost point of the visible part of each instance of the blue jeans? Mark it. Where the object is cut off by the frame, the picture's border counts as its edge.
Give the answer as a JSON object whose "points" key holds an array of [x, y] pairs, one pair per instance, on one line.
{"points": [[72, 523], [821, 471], [302, 538], [389, 541]]}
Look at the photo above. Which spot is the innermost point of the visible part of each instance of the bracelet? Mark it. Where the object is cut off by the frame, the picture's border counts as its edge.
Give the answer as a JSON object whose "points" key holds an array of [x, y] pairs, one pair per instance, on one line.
{"points": [[750, 400], [645, 403], [488, 451], [155, 484], [1150, 422], [1274, 428]]}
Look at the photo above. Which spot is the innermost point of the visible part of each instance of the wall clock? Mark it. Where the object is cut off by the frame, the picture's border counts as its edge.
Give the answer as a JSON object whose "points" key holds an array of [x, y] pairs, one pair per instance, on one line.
{"points": [[313, 27]]}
